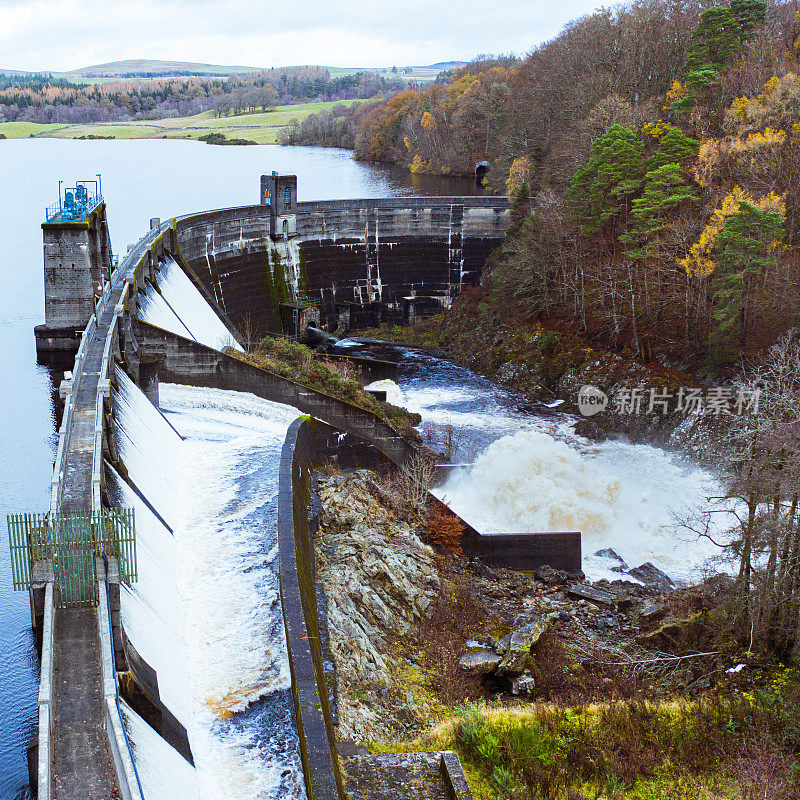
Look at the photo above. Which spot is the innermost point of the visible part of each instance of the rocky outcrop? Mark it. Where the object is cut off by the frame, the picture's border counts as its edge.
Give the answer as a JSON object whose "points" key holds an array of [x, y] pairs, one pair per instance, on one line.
{"points": [[379, 580]]}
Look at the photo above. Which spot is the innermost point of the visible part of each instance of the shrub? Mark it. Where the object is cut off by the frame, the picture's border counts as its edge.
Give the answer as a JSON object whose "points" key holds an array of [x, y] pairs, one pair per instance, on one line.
{"points": [[455, 616], [445, 529], [295, 361]]}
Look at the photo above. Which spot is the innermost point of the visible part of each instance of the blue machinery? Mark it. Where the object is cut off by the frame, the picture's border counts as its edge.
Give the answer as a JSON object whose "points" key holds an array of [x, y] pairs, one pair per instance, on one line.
{"points": [[76, 203]]}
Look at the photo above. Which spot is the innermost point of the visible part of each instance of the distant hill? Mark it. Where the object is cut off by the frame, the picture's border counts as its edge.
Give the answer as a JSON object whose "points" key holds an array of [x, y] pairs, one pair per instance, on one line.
{"points": [[151, 68]]}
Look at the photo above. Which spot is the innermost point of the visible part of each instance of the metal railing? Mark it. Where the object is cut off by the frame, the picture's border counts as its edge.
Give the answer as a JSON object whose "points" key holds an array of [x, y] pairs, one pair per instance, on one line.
{"points": [[71, 541], [45, 697], [57, 480], [124, 764], [77, 211]]}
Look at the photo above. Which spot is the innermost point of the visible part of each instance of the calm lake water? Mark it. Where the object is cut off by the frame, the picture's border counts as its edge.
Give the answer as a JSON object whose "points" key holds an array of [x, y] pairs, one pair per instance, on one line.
{"points": [[141, 179]]}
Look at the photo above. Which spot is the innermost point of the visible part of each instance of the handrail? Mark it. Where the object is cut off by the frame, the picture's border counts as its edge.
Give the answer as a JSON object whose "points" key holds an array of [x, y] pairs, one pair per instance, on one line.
{"points": [[97, 454], [127, 774], [78, 212], [45, 698], [125, 765], [57, 479]]}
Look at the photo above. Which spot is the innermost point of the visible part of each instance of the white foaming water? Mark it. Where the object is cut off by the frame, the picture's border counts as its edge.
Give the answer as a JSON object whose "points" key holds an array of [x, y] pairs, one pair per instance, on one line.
{"points": [[394, 394], [146, 441], [631, 498], [213, 628], [532, 473], [152, 608], [182, 309], [162, 770]]}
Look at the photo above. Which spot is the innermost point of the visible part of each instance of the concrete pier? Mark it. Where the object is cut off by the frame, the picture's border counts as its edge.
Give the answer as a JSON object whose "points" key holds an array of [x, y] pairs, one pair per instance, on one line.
{"points": [[77, 259]]}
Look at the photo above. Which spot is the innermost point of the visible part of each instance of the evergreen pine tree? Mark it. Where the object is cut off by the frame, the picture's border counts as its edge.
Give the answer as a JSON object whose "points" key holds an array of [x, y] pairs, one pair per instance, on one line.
{"points": [[664, 190], [600, 190], [746, 248], [675, 147], [749, 15]]}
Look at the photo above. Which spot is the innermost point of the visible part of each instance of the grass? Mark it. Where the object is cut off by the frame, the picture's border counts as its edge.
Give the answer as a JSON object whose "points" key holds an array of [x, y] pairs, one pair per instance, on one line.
{"points": [[22, 130], [295, 361], [721, 748], [261, 128]]}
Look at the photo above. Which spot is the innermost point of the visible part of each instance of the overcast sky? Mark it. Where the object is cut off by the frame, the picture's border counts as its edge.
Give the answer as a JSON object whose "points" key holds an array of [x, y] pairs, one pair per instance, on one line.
{"points": [[60, 35]]}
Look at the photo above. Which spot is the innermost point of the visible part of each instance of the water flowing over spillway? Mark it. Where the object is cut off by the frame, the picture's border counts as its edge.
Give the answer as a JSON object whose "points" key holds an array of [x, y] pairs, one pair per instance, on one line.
{"points": [[530, 472], [205, 612], [178, 306]]}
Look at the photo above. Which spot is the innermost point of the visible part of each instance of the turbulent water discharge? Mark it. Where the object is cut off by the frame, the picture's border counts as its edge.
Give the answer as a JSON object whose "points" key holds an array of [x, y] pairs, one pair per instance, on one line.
{"points": [[529, 472], [205, 613]]}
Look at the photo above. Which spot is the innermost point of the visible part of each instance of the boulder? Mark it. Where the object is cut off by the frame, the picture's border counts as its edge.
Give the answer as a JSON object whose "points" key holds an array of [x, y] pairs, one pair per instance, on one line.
{"points": [[522, 684], [650, 575], [549, 576], [590, 593], [650, 612], [612, 555], [517, 657], [479, 661]]}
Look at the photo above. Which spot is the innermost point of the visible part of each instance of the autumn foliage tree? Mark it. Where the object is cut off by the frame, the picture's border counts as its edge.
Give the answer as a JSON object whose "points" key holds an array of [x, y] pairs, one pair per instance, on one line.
{"points": [[445, 529]]}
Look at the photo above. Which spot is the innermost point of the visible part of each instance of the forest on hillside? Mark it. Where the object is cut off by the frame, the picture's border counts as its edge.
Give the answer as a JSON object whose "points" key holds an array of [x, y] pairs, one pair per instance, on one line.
{"points": [[42, 98], [652, 156]]}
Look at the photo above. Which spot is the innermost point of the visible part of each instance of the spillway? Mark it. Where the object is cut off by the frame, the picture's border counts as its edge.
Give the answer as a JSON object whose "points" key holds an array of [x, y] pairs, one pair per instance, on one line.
{"points": [[178, 306], [205, 613]]}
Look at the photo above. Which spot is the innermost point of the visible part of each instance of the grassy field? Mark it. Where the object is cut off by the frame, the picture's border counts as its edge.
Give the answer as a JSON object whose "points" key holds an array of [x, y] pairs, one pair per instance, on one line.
{"points": [[259, 128]]}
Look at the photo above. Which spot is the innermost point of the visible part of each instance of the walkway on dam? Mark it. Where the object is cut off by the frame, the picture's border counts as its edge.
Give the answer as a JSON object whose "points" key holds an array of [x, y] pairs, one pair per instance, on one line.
{"points": [[82, 763]]}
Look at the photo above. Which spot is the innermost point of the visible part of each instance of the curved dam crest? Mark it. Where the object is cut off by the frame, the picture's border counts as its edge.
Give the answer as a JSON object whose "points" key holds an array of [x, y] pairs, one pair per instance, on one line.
{"points": [[354, 262]]}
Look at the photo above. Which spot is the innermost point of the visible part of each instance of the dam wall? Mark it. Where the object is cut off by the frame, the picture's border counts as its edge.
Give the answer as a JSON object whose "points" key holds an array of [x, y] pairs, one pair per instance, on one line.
{"points": [[310, 443], [354, 262]]}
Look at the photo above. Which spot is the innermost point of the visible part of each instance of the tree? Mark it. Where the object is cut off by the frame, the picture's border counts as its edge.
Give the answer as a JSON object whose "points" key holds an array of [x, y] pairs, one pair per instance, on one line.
{"points": [[665, 189], [715, 40], [518, 187], [714, 43], [267, 96], [749, 15], [760, 451], [747, 247], [600, 190], [445, 529], [674, 147]]}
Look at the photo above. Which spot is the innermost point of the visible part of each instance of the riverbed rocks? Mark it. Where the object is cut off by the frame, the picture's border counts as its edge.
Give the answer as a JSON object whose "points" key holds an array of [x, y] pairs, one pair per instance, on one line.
{"points": [[652, 576], [480, 661], [381, 581], [517, 647], [624, 620]]}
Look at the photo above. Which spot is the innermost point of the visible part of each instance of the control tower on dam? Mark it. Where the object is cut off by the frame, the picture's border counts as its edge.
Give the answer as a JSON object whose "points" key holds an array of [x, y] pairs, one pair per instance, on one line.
{"points": [[282, 264]]}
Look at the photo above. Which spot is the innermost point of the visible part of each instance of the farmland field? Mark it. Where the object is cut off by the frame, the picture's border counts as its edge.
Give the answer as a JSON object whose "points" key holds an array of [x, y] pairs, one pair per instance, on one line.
{"points": [[260, 128]]}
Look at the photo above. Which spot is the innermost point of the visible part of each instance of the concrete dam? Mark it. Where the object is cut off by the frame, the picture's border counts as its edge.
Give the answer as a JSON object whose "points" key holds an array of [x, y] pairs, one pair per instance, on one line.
{"points": [[172, 579], [341, 263]]}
